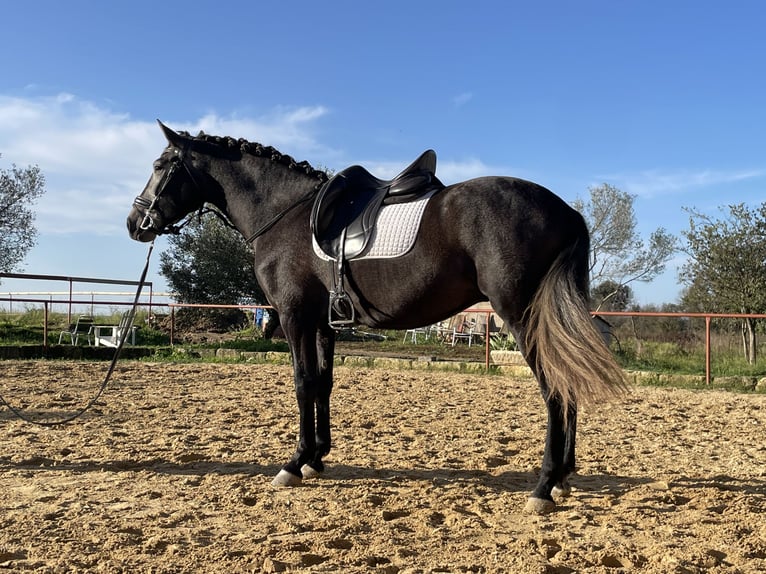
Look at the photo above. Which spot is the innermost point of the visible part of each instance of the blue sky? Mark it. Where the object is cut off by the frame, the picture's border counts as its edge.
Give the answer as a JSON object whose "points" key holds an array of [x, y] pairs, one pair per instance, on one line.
{"points": [[664, 100]]}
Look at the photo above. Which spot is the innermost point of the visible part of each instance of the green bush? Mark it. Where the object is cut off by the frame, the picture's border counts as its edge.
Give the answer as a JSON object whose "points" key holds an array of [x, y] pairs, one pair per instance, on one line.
{"points": [[149, 337], [503, 343]]}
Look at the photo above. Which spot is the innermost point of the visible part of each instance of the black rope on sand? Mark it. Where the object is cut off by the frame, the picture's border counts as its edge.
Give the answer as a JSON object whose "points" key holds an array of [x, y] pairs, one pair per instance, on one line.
{"points": [[112, 365]]}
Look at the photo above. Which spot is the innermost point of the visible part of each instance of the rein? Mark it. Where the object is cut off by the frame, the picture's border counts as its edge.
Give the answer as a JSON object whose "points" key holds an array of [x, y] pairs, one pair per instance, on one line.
{"points": [[274, 220], [112, 365]]}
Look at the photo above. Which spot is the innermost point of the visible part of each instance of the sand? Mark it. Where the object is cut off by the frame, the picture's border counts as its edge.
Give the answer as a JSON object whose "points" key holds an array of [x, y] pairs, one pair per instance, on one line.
{"points": [[430, 472]]}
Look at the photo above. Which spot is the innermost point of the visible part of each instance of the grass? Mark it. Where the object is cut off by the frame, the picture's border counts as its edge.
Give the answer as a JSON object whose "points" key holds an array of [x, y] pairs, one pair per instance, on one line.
{"points": [[672, 358], [11, 334], [26, 332], [648, 357]]}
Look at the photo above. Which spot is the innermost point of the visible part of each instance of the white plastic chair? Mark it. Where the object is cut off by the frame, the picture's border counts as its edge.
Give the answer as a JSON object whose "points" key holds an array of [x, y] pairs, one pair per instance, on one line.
{"points": [[83, 326], [465, 331], [413, 334], [109, 335]]}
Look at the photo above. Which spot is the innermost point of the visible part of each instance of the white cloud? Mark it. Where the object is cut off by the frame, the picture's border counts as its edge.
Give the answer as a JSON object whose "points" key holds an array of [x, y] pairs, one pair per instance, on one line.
{"points": [[448, 171], [454, 171], [462, 99], [96, 161], [285, 128], [652, 183]]}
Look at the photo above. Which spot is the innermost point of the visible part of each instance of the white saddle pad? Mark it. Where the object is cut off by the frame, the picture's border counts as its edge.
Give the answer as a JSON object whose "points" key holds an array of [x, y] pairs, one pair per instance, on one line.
{"points": [[394, 232]]}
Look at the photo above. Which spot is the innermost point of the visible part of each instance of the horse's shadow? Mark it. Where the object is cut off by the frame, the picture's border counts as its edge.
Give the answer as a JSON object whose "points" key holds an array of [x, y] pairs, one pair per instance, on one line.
{"points": [[721, 482], [504, 481], [338, 475], [342, 476], [346, 475]]}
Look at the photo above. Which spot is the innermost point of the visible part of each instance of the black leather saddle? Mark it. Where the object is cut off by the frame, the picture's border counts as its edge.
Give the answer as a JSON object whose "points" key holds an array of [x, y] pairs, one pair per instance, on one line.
{"points": [[347, 206]]}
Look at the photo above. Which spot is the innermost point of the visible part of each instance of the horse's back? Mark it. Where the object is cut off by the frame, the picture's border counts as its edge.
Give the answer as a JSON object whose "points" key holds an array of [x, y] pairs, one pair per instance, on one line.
{"points": [[489, 238], [518, 220], [509, 201]]}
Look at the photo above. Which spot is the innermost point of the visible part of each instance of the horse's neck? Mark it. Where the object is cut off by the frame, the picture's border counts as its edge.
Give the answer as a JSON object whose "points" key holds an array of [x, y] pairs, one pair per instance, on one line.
{"points": [[254, 192]]}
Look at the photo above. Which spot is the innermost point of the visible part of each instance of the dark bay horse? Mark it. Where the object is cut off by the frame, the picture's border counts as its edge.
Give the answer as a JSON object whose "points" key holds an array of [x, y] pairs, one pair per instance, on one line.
{"points": [[499, 239]]}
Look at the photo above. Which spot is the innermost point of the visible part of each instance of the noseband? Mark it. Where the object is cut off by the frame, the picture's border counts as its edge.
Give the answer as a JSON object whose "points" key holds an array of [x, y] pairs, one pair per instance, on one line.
{"points": [[145, 206]]}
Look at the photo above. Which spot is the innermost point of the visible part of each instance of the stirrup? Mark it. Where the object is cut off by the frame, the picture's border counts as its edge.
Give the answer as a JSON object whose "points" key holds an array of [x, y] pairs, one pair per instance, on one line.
{"points": [[340, 313]]}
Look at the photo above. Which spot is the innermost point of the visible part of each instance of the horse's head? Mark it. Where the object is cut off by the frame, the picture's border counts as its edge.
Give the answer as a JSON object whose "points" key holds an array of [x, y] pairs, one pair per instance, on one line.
{"points": [[172, 191]]}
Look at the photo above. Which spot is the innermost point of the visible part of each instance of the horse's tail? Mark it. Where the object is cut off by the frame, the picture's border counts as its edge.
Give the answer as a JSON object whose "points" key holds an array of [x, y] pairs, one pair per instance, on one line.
{"points": [[562, 340]]}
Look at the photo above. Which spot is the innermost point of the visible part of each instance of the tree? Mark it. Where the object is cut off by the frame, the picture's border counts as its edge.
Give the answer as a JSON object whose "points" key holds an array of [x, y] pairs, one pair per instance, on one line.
{"points": [[210, 263], [725, 270], [611, 296], [617, 252], [19, 188]]}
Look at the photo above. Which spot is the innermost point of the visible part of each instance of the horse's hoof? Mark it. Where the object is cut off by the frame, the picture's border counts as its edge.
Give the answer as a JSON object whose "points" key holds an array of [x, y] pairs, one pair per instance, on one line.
{"points": [[539, 506], [284, 478], [561, 491], [309, 471]]}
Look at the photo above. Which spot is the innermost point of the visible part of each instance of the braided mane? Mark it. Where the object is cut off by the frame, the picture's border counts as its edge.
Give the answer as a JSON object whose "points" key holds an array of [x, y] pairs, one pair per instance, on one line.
{"points": [[260, 150]]}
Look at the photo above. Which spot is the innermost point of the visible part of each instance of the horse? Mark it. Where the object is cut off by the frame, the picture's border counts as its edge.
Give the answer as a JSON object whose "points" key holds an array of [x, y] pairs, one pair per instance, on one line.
{"points": [[500, 239]]}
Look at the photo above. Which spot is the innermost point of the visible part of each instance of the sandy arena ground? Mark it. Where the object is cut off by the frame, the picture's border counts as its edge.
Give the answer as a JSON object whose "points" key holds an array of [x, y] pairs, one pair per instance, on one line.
{"points": [[171, 471]]}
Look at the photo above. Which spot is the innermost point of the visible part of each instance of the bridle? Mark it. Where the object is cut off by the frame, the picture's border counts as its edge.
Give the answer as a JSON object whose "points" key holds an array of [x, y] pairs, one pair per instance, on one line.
{"points": [[145, 206]]}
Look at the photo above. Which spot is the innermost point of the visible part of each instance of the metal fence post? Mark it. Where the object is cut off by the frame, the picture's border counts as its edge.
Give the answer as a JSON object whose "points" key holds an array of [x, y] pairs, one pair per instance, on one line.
{"points": [[707, 350], [45, 325]]}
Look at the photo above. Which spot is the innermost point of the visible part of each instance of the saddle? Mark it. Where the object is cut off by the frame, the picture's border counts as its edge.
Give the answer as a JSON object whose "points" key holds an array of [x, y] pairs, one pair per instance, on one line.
{"points": [[345, 211], [347, 207]]}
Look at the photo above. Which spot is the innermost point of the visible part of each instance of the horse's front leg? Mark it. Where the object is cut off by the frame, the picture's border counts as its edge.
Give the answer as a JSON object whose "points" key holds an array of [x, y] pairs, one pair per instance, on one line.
{"points": [[312, 373], [325, 353]]}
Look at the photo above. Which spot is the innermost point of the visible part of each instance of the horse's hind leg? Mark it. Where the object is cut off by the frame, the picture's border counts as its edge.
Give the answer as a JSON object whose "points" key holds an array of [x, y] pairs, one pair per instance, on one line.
{"points": [[562, 488], [559, 455], [553, 471]]}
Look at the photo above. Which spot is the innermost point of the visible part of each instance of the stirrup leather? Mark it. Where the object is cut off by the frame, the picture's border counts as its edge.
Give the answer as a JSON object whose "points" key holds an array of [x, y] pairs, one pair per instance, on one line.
{"points": [[340, 311]]}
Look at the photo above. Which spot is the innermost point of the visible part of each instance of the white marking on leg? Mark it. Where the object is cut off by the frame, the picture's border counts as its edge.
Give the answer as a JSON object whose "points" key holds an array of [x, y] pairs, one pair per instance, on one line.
{"points": [[309, 471], [561, 491], [284, 478]]}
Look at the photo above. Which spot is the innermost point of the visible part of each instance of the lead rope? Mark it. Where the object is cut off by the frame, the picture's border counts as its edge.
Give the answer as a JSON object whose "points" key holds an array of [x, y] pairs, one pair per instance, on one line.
{"points": [[112, 365]]}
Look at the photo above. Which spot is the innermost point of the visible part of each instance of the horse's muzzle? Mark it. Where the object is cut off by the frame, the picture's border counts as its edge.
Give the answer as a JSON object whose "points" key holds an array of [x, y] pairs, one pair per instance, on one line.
{"points": [[135, 229]]}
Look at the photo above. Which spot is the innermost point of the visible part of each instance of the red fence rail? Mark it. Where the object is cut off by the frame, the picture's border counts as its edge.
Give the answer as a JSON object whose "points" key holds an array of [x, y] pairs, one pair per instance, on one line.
{"points": [[47, 305], [71, 281], [708, 317]]}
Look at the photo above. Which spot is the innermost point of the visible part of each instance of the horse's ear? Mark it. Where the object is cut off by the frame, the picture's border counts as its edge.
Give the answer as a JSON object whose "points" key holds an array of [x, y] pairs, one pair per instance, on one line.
{"points": [[172, 137]]}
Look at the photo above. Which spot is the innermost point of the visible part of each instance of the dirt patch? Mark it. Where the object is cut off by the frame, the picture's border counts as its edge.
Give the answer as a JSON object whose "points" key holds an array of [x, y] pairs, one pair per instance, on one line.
{"points": [[430, 472]]}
